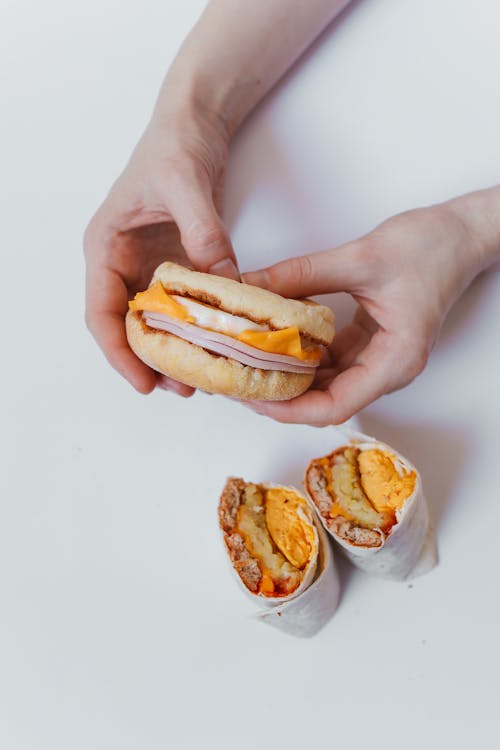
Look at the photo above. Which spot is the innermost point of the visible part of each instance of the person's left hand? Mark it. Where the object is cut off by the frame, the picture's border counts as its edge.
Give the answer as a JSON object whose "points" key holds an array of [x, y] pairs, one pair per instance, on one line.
{"points": [[404, 276]]}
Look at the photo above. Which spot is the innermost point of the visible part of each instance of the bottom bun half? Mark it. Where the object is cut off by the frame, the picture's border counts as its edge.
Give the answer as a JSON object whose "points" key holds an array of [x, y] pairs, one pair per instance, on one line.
{"points": [[213, 373]]}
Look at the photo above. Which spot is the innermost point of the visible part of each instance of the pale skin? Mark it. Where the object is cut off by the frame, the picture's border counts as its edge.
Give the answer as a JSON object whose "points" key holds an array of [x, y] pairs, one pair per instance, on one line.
{"points": [[404, 275]]}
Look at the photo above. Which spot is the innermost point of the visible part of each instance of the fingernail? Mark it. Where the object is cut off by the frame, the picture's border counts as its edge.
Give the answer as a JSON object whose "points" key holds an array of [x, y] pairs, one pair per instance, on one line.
{"points": [[225, 267], [164, 384], [174, 386], [256, 278], [168, 384]]}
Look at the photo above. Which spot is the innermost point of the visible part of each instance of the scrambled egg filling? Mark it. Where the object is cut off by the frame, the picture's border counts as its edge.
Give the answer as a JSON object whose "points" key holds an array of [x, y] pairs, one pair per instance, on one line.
{"points": [[386, 488], [293, 536], [277, 527], [367, 488]]}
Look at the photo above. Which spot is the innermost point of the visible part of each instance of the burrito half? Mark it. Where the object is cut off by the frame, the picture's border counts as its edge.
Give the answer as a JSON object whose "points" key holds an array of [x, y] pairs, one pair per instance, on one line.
{"points": [[278, 550], [370, 500]]}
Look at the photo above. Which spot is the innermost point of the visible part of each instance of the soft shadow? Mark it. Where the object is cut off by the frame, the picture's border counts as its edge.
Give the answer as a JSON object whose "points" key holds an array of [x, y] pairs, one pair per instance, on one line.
{"points": [[331, 29], [270, 169], [264, 162], [342, 304], [345, 569], [439, 452], [467, 312]]}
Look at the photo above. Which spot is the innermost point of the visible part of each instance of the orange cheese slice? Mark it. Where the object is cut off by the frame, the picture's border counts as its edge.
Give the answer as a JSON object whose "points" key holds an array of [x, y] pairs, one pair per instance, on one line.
{"points": [[286, 341], [156, 299]]}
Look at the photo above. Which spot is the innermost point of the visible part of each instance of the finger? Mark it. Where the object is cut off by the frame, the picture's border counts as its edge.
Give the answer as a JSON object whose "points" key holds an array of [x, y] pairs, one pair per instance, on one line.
{"points": [[320, 273], [346, 347], [312, 408], [376, 371], [203, 235], [323, 378], [348, 344], [169, 384], [106, 307]]}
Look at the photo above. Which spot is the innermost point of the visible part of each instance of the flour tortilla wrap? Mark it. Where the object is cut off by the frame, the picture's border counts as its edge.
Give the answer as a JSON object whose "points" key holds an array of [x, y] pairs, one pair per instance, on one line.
{"points": [[305, 614], [403, 549], [258, 522]]}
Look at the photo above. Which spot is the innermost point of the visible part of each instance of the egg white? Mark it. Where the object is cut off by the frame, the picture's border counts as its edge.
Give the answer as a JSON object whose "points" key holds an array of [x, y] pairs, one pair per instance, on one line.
{"points": [[217, 320]]}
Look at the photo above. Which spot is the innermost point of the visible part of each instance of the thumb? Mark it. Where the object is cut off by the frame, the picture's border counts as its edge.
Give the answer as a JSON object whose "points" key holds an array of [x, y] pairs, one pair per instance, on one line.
{"points": [[337, 270], [203, 234]]}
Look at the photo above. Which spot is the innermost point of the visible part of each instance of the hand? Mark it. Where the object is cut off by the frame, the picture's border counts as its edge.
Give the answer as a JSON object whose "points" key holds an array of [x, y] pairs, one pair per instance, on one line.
{"points": [[404, 276], [165, 206], [175, 177]]}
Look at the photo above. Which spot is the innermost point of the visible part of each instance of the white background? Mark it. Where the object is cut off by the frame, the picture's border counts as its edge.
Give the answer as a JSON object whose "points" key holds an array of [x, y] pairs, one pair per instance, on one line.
{"points": [[120, 626]]}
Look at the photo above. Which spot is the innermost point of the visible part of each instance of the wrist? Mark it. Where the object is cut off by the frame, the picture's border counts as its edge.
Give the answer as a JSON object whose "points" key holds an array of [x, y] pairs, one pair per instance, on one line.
{"points": [[479, 213], [183, 102], [206, 89], [236, 52]]}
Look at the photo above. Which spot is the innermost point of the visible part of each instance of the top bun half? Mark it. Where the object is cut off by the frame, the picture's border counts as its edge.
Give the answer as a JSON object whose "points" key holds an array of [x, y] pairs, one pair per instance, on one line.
{"points": [[313, 320]]}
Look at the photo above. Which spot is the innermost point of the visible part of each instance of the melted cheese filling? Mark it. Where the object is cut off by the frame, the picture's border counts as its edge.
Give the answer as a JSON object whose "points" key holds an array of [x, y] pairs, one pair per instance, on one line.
{"points": [[367, 487], [278, 530], [285, 341], [155, 299]]}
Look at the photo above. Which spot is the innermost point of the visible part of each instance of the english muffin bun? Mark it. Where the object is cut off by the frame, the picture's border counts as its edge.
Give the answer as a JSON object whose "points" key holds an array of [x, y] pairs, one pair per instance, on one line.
{"points": [[223, 336]]}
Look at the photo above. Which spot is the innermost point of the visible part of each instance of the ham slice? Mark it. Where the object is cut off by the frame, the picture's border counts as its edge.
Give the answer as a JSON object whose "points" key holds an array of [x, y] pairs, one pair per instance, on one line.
{"points": [[219, 343]]}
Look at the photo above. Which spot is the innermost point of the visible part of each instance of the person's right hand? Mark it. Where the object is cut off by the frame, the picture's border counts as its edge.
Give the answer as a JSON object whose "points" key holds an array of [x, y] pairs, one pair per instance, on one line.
{"points": [[164, 206]]}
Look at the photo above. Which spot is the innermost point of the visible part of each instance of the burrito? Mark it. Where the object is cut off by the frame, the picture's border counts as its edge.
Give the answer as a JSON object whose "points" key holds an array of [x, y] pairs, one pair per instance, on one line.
{"points": [[280, 554], [370, 500]]}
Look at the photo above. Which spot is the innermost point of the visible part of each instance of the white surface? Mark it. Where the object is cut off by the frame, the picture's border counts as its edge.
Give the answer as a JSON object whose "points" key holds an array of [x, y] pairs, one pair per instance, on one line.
{"points": [[120, 626]]}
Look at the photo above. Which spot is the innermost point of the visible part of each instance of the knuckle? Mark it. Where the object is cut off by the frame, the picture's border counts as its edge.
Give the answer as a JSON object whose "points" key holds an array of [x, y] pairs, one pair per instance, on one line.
{"points": [[90, 320], [363, 248], [88, 238], [94, 236], [417, 363], [301, 269], [203, 235], [337, 418], [115, 360], [420, 362]]}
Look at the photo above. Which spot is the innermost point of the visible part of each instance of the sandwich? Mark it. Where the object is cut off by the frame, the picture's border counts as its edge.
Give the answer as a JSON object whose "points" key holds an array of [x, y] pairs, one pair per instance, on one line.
{"points": [[280, 554], [223, 336], [370, 500]]}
